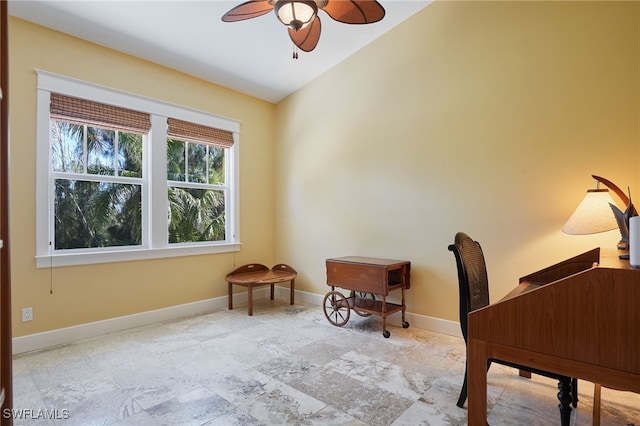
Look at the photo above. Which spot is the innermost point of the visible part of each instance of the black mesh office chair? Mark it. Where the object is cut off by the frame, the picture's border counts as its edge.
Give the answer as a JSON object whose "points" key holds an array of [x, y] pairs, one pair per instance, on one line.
{"points": [[474, 294]]}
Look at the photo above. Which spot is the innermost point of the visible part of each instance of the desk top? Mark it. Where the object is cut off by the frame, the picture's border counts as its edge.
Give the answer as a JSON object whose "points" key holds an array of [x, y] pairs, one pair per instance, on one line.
{"points": [[596, 258], [523, 287], [610, 258]]}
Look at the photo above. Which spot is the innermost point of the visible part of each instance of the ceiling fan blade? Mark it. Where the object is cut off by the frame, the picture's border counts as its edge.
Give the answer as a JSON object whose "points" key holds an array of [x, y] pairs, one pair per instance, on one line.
{"points": [[307, 38], [354, 11], [248, 10]]}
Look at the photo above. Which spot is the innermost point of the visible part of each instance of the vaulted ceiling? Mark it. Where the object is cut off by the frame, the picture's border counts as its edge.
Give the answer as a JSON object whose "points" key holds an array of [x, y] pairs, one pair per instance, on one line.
{"points": [[252, 56]]}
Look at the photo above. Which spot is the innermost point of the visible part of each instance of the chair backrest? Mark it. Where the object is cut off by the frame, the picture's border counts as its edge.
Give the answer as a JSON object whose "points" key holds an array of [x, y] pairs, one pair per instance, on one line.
{"points": [[473, 282]]}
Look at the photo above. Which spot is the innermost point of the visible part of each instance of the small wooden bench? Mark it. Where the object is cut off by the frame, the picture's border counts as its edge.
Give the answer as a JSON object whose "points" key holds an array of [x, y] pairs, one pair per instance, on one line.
{"points": [[255, 275]]}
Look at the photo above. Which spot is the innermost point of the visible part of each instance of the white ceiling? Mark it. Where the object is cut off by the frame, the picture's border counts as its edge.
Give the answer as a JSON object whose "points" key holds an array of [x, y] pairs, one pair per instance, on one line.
{"points": [[252, 56]]}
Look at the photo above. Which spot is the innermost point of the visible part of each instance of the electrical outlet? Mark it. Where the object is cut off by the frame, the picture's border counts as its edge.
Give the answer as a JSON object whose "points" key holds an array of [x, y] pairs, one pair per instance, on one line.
{"points": [[27, 314]]}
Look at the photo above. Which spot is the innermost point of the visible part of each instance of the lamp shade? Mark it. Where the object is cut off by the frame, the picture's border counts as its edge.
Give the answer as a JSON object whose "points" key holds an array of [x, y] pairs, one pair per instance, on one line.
{"points": [[592, 215], [296, 14]]}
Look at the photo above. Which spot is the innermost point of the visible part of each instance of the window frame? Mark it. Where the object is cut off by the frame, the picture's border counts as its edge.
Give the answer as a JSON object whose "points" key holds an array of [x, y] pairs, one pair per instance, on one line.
{"points": [[155, 184]]}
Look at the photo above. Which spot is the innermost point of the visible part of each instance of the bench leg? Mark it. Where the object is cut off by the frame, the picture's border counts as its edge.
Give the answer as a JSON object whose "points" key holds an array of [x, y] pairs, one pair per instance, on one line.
{"points": [[230, 297], [250, 299], [272, 290]]}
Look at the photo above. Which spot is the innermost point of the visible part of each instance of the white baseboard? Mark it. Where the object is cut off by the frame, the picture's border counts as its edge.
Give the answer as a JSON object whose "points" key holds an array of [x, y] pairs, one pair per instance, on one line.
{"points": [[451, 328], [61, 336]]}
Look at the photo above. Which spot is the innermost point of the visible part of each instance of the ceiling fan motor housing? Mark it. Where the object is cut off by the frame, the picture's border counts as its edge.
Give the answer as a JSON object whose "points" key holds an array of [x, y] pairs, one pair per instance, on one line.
{"points": [[296, 14]]}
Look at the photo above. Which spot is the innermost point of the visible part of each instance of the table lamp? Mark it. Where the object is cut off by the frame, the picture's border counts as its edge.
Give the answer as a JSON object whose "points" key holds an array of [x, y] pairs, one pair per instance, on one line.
{"points": [[593, 214], [598, 213]]}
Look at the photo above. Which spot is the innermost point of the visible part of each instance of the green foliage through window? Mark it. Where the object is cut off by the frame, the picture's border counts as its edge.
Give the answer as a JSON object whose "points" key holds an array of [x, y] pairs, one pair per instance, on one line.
{"points": [[92, 214], [196, 215], [196, 203], [90, 211]]}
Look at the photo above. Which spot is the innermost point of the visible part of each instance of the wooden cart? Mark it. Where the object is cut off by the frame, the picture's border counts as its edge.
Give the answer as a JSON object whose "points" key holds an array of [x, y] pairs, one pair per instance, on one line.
{"points": [[369, 281]]}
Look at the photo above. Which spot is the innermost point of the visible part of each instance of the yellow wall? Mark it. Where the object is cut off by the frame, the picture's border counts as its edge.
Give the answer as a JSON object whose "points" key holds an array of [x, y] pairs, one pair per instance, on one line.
{"points": [[90, 293], [483, 117], [476, 116]]}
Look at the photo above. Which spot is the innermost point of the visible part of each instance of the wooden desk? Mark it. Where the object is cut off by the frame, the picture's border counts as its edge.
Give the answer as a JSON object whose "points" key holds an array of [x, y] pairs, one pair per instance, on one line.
{"points": [[256, 275], [574, 320]]}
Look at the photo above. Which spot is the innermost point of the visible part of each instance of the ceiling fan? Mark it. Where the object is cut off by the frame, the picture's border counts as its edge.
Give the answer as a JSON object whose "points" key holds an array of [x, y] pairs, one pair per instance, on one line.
{"points": [[301, 16]]}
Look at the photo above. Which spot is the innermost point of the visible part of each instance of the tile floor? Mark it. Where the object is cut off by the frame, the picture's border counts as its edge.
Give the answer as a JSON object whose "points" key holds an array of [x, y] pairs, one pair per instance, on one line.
{"points": [[286, 365]]}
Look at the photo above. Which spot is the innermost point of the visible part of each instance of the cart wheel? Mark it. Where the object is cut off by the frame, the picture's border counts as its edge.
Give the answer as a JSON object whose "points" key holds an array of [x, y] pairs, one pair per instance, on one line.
{"points": [[336, 308], [405, 324], [362, 295], [386, 334]]}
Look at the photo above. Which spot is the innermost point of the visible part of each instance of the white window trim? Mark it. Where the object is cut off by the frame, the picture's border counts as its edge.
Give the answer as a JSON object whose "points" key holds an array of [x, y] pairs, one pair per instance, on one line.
{"points": [[157, 245]]}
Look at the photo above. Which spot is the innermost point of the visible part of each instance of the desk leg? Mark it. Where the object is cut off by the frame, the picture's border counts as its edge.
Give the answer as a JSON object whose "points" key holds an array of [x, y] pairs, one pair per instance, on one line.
{"points": [[596, 404], [293, 290], [250, 299], [477, 358], [230, 297]]}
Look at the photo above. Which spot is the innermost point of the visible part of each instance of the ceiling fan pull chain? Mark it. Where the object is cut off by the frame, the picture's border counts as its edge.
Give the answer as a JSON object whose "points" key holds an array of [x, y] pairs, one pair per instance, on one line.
{"points": [[295, 52]]}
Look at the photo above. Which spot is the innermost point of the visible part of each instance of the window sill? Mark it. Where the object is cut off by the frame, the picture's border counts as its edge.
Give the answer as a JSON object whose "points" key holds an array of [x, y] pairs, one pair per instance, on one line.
{"points": [[89, 258]]}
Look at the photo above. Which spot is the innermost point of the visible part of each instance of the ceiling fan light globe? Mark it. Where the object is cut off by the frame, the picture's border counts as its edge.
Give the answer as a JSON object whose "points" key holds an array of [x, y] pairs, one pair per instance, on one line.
{"points": [[296, 14]]}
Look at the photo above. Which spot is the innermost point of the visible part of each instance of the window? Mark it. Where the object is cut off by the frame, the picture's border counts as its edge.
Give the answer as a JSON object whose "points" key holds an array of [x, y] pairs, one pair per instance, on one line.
{"points": [[196, 182], [96, 167], [122, 177]]}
